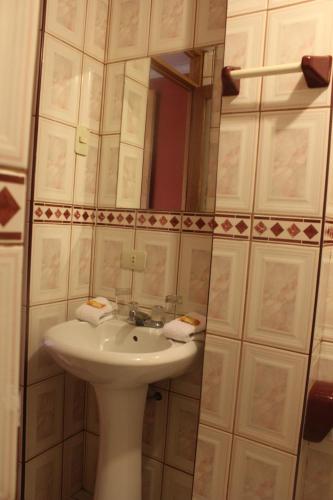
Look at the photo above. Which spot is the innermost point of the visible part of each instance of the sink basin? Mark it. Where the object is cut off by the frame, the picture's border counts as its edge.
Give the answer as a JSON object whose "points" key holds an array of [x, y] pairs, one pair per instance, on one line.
{"points": [[117, 353], [119, 360]]}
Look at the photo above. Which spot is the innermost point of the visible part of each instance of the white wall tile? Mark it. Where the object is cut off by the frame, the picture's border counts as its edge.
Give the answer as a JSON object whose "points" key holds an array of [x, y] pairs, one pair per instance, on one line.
{"points": [[182, 432], [80, 261], [129, 176], [43, 475], [61, 78], [176, 484], [113, 97], [66, 20], [138, 69], [108, 275], [96, 28], [237, 162], [245, 48], [134, 113], [90, 462], [189, 384], [212, 464], [154, 425], [210, 22], [194, 270], [49, 263], [171, 25], [281, 296], [299, 30], [160, 276], [289, 146], [236, 7], [219, 383], [227, 287], [152, 472], [55, 162], [92, 417], [129, 29], [86, 174], [41, 318], [44, 424], [271, 394], [73, 459], [91, 93], [74, 405], [108, 171]]}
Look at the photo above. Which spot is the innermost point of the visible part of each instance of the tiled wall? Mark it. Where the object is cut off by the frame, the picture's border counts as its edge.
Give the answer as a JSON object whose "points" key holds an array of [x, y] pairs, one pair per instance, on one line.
{"points": [[178, 244], [270, 202], [60, 223]]}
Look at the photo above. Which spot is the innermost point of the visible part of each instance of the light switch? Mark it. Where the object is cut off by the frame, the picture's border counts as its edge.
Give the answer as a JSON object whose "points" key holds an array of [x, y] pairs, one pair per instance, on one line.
{"points": [[134, 260], [82, 141]]}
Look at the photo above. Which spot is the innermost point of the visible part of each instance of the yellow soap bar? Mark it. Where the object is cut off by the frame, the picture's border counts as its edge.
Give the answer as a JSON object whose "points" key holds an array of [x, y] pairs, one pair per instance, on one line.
{"points": [[95, 303], [189, 320]]}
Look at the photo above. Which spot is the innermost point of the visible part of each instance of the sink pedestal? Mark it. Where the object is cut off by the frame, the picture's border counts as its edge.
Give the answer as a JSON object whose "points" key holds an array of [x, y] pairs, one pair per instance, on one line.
{"points": [[121, 414]]}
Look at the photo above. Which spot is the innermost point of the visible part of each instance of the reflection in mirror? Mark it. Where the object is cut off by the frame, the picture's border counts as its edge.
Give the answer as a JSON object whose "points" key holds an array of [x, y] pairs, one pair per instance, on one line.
{"points": [[167, 154]]}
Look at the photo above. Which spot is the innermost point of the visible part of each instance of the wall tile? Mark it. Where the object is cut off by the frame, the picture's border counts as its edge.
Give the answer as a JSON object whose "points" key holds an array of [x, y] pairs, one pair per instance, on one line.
{"points": [[72, 305], [154, 425], [47, 212], [49, 263], [80, 261], [219, 384], [43, 476], [300, 30], [260, 472], [44, 415], [41, 318], [73, 458], [73, 405], [12, 207], [176, 484], [90, 462], [270, 399], [227, 287], [113, 98], [96, 28], [171, 25], [288, 147], [66, 20], [281, 295], [55, 162], [194, 270], [236, 7], [92, 417], [182, 433], [160, 276], [108, 275], [237, 162], [212, 464], [152, 472], [138, 69], [232, 226], [134, 113], [189, 384], [129, 176], [210, 22], [128, 29], [108, 171], [245, 48], [318, 473], [91, 93], [61, 77], [86, 174]]}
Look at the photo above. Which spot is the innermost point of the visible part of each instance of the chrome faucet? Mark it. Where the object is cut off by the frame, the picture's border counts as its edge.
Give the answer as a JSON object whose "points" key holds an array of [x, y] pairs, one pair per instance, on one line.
{"points": [[140, 318]]}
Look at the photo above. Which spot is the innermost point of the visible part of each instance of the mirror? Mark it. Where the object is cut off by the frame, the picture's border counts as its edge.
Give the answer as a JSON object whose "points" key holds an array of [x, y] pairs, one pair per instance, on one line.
{"points": [[162, 110]]}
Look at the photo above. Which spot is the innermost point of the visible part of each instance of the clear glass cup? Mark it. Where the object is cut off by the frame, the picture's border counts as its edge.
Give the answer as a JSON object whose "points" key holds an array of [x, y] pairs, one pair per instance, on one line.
{"points": [[123, 298]]}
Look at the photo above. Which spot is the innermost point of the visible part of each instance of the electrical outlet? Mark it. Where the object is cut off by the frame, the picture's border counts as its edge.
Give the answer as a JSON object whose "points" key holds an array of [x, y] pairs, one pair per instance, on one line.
{"points": [[134, 260]]}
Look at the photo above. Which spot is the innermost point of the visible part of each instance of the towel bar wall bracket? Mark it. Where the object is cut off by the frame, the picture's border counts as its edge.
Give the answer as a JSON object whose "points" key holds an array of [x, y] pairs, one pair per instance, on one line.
{"points": [[316, 71]]}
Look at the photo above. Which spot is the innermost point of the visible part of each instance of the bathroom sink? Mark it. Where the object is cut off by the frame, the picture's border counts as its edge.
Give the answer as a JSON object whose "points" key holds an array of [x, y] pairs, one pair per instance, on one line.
{"points": [[118, 353], [119, 360]]}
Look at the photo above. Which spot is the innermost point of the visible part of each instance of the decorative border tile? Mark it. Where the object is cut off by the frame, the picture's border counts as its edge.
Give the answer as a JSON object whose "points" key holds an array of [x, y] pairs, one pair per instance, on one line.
{"points": [[287, 230], [328, 232], [83, 215], [52, 213], [232, 226], [109, 217], [202, 223], [12, 206], [159, 220]]}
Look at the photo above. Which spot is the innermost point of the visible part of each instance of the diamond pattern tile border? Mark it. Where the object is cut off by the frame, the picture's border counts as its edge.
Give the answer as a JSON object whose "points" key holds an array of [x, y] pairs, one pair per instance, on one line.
{"points": [[122, 218], [198, 223], [12, 206], [52, 213], [162, 221], [287, 230], [236, 226]]}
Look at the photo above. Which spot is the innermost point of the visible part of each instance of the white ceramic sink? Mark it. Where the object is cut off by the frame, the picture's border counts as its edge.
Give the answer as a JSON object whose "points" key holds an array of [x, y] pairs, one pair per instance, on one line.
{"points": [[120, 360]]}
